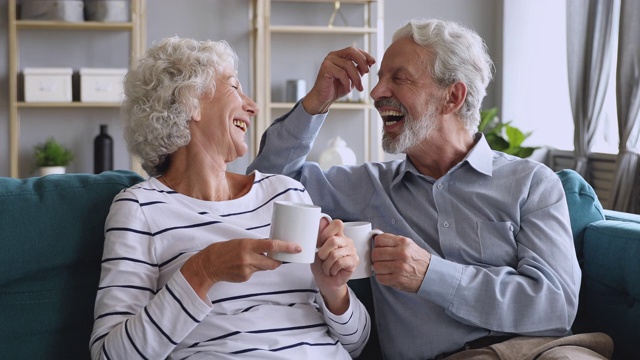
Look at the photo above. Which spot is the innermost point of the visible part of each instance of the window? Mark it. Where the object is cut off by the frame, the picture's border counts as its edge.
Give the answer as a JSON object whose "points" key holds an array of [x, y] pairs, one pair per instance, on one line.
{"points": [[535, 90]]}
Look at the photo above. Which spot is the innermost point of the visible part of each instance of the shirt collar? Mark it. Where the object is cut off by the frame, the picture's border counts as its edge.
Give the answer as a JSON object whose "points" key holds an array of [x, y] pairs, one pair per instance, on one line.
{"points": [[480, 158]]}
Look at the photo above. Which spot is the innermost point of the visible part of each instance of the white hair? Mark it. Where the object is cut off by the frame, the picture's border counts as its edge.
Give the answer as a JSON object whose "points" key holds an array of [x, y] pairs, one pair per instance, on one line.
{"points": [[459, 55], [162, 94]]}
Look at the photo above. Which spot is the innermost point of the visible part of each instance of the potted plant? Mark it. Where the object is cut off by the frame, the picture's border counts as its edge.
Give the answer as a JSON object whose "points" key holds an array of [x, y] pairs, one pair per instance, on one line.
{"points": [[51, 157], [503, 137]]}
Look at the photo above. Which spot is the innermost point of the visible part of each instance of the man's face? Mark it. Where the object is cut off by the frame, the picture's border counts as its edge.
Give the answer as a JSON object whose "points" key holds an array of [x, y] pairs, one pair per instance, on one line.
{"points": [[406, 96]]}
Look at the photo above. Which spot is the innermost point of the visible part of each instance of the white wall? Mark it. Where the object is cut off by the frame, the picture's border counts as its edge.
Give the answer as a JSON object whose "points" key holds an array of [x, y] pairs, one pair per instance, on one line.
{"points": [[535, 92], [205, 19]]}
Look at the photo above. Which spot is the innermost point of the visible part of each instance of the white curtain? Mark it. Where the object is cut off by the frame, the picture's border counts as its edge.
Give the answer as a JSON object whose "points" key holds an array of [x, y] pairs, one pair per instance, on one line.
{"points": [[624, 196], [589, 29]]}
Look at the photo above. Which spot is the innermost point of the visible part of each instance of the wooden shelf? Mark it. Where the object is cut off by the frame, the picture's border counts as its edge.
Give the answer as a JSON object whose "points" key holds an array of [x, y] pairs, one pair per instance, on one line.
{"points": [[137, 34], [329, 1], [61, 25], [292, 29], [74, 104], [369, 33], [335, 106]]}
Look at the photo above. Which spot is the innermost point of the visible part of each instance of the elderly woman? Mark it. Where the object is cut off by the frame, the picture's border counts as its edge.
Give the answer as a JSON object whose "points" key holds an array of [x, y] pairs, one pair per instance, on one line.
{"points": [[184, 270]]}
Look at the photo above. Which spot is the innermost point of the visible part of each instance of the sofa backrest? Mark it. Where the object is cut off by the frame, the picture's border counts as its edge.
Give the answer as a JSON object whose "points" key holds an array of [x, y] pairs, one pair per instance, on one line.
{"points": [[52, 234], [584, 206]]}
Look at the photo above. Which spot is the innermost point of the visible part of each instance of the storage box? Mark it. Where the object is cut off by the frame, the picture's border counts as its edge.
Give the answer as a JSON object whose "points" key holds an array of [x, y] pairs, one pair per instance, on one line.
{"points": [[47, 84], [53, 10], [101, 85], [107, 10]]}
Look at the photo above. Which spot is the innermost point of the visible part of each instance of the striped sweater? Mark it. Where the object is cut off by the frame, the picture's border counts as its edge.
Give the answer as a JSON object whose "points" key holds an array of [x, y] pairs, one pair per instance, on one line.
{"points": [[146, 309]]}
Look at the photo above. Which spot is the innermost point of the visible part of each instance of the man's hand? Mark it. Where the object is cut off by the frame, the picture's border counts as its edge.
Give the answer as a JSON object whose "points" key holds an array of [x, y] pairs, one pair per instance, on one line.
{"points": [[399, 262], [339, 72]]}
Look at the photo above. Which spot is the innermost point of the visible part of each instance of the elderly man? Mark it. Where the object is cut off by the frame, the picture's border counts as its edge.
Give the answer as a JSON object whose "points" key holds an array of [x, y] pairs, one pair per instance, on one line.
{"points": [[477, 249]]}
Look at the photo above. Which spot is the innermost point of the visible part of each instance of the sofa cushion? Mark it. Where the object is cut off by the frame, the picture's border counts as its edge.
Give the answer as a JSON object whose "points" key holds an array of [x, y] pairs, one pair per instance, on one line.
{"points": [[611, 283], [584, 206], [52, 238]]}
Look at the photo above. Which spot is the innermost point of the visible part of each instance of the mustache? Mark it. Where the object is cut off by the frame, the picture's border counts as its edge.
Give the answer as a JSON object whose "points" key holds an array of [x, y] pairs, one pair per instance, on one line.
{"points": [[389, 102]]}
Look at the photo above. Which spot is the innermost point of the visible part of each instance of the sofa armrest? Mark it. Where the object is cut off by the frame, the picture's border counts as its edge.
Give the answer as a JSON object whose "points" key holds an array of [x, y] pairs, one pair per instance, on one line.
{"points": [[621, 216], [610, 292]]}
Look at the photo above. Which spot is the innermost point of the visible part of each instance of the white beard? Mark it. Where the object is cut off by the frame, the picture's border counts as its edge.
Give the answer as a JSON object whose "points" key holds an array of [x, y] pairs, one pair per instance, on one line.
{"points": [[412, 133]]}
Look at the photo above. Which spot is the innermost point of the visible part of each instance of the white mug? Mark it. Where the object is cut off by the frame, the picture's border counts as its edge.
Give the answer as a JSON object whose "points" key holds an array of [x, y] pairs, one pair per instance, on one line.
{"points": [[299, 223], [362, 235]]}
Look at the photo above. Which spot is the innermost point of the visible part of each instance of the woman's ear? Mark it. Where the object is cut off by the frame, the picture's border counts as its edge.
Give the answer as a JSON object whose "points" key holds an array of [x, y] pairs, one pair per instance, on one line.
{"points": [[455, 97], [197, 116]]}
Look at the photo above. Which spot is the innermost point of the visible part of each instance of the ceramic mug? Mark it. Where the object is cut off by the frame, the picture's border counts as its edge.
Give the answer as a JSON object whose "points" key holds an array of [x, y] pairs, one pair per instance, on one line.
{"points": [[299, 223], [362, 235]]}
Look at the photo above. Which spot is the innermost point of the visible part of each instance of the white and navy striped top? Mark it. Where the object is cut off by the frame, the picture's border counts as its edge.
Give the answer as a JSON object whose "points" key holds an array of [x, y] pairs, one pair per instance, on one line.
{"points": [[146, 309]]}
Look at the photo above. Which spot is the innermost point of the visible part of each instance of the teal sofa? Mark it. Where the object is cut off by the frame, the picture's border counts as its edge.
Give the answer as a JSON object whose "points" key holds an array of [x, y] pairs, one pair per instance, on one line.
{"points": [[51, 231], [52, 235]]}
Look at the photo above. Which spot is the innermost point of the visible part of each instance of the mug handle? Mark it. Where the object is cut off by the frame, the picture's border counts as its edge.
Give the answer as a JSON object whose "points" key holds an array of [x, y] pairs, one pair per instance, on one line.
{"points": [[372, 236], [323, 215]]}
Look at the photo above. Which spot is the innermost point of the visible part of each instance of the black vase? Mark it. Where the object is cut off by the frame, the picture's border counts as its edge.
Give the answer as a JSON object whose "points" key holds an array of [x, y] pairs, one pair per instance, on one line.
{"points": [[102, 151]]}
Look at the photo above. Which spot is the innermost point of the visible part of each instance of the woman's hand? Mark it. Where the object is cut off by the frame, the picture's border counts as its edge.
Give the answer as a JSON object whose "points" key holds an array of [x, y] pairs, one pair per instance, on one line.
{"points": [[232, 261], [335, 261]]}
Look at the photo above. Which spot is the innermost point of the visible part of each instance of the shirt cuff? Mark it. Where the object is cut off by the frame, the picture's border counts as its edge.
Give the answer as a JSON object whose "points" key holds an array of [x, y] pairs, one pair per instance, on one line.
{"points": [[441, 281], [340, 319], [305, 125], [190, 299]]}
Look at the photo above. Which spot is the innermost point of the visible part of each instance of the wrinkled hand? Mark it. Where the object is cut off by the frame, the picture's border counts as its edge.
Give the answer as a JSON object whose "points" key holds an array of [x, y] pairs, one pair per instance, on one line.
{"points": [[340, 71], [335, 261], [233, 261], [399, 262]]}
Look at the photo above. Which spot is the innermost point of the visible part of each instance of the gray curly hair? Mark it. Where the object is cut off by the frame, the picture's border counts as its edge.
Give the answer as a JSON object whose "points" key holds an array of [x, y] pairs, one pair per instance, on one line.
{"points": [[459, 55], [162, 94]]}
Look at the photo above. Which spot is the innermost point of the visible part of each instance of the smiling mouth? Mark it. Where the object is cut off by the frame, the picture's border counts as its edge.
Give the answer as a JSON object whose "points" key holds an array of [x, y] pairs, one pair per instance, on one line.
{"points": [[390, 117], [240, 125]]}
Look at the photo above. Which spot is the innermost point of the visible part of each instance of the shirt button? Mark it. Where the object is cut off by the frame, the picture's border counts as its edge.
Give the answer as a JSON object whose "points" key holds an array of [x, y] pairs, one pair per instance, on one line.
{"points": [[439, 186], [393, 221], [510, 227], [445, 224]]}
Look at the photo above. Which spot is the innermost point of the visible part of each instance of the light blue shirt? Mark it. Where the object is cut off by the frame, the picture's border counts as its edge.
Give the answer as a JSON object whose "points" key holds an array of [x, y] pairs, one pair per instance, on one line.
{"points": [[497, 226]]}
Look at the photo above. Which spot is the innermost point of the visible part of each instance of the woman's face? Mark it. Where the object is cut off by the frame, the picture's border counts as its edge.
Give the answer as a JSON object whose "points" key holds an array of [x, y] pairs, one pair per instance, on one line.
{"points": [[225, 117]]}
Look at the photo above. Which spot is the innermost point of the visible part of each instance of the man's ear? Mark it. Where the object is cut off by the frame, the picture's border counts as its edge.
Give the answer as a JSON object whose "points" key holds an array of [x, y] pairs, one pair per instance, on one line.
{"points": [[455, 96]]}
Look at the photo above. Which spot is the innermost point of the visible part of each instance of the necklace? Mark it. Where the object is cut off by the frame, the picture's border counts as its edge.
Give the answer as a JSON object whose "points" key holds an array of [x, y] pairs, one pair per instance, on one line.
{"points": [[167, 182]]}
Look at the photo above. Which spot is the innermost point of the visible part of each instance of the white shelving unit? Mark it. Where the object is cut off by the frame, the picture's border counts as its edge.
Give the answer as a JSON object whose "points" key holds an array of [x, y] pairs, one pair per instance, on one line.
{"points": [[136, 28], [369, 33]]}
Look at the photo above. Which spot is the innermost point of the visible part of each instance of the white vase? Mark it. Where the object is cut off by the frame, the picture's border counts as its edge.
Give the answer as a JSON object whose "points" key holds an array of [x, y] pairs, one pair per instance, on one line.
{"points": [[47, 170], [337, 154]]}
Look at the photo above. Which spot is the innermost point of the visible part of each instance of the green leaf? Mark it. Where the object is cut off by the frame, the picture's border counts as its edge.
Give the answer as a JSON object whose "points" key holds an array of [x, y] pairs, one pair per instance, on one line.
{"points": [[51, 153], [503, 136], [497, 142], [515, 136], [524, 152], [486, 118]]}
